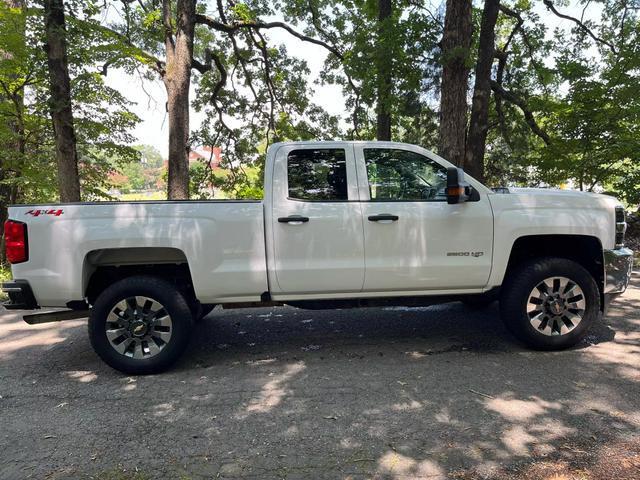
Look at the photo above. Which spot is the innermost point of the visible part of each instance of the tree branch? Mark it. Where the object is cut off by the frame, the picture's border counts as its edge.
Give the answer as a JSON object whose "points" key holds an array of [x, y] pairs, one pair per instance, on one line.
{"points": [[168, 28], [150, 60], [258, 25], [315, 20], [232, 28], [223, 76], [519, 22], [199, 66], [105, 67], [261, 45], [583, 27], [525, 38], [522, 105]]}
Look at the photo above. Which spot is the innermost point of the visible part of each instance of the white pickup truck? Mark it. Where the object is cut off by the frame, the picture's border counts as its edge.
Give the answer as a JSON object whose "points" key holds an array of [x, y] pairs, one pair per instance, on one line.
{"points": [[342, 224]]}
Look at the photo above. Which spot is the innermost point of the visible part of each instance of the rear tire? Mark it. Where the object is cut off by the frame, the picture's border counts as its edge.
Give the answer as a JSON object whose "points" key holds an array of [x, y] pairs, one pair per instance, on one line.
{"points": [[549, 303], [206, 310], [140, 325], [200, 311]]}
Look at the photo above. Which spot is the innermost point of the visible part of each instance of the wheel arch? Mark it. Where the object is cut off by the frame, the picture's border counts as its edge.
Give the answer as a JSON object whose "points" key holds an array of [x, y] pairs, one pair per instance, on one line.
{"points": [[585, 250], [103, 267]]}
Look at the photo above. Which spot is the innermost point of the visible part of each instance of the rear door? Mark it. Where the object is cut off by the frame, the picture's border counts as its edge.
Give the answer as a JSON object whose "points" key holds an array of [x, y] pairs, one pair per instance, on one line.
{"points": [[318, 240], [415, 240]]}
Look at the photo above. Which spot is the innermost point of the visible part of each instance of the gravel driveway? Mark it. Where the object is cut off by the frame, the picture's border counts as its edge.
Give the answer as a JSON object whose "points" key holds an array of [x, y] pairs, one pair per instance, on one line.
{"points": [[438, 392]]}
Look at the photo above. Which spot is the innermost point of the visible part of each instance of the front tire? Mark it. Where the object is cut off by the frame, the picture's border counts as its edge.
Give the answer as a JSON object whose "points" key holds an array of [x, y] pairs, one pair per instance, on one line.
{"points": [[140, 325], [549, 303], [478, 302]]}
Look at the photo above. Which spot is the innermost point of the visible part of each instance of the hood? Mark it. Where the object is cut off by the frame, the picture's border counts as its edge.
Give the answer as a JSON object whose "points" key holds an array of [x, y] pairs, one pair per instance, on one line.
{"points": [[549, 197]]}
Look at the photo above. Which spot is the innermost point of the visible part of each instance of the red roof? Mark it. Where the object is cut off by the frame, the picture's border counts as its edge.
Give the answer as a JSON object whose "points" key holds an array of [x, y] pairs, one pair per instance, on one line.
{"points": [[206, 153]]}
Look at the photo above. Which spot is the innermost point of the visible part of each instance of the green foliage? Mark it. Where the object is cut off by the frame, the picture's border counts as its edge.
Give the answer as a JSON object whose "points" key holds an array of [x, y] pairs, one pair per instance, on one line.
{"points": [[236, 183], [102, 117], [5, 276], [200, 185], [264, 99], [407, 46], [150, 156], [144, 173], [582, 94], [595, 122]]}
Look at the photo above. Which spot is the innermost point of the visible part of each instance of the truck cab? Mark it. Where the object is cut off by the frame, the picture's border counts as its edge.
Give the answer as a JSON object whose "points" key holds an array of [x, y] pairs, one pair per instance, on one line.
{"points": [[371, 219]]}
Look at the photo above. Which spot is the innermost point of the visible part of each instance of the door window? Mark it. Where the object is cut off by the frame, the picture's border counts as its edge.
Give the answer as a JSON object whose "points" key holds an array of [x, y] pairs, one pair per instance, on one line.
{"points": [[402, 175], [317, 175]]}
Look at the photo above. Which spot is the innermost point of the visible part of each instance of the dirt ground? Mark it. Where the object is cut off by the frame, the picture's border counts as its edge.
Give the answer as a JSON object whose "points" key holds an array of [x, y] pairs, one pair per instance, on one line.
{"points": [[385, 393]]}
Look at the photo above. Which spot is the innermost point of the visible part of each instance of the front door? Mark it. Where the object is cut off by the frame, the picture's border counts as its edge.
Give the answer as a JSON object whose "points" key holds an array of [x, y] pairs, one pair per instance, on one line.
{"points": [[316, 221], [415, 240]]}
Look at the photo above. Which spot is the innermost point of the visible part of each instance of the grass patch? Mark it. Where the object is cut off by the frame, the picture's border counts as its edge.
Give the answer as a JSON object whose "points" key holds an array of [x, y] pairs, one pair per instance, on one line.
{"points": [[133, 196]]}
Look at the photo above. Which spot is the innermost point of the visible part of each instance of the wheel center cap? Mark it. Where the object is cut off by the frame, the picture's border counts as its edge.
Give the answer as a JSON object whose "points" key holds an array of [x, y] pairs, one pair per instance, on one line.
{"points": [[138, 328], [556, 307]]}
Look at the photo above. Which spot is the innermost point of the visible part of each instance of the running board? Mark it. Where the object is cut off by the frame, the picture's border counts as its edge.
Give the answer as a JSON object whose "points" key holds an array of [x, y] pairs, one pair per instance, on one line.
{"points": [[58, 316]]}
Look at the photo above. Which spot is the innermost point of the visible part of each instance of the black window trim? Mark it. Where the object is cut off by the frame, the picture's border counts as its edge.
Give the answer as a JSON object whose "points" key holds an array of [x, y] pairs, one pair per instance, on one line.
{"points": [[322, 201], [355, 159], [404, 201]]}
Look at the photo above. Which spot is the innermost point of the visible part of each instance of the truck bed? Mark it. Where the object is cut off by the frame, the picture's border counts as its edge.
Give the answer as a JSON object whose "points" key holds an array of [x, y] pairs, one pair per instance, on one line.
{"points": [[222, 241]]}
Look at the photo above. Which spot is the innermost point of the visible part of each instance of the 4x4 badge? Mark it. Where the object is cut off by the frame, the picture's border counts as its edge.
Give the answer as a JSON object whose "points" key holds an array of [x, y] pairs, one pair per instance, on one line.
{"points": [[37, 213]]}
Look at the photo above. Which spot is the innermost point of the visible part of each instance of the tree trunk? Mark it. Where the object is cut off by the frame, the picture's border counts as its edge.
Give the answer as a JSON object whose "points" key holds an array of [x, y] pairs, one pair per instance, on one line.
{"points": [[456, 41], [177, 81], [14, 147], [9, 192], [384, 72], [479, 124], [60, 101]]}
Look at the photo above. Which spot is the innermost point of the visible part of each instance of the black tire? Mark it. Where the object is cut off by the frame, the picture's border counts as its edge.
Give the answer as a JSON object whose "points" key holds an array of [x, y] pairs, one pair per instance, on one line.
{"points": [[477, 302], [205, 310], [200, 310], [515, 294], [175, 307]]}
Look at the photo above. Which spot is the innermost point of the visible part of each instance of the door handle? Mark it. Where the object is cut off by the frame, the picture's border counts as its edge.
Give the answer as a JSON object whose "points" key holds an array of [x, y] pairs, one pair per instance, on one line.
{"points": [[383, 217], [293, 219]]}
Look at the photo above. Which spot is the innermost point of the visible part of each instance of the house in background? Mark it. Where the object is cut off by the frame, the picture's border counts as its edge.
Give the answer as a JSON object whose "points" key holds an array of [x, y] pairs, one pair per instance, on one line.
{"points": [[205, 154]]}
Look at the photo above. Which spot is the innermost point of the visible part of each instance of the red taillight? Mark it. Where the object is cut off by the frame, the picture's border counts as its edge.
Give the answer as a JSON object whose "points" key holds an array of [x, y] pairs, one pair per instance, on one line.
{"points": [[15, 241]]}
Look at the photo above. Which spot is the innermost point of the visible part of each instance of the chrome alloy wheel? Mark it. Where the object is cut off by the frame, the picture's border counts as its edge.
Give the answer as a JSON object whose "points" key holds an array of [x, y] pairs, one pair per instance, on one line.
{"points": [[138, 327], [556, 306]]}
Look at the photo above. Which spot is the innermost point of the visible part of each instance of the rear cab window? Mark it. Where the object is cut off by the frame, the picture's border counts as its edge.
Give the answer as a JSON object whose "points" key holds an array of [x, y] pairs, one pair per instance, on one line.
{"points": [[317, 175]]}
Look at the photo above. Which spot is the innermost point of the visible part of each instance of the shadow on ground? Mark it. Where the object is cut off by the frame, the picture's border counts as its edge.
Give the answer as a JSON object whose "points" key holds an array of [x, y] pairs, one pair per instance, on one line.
{"points": [[438, 392]]}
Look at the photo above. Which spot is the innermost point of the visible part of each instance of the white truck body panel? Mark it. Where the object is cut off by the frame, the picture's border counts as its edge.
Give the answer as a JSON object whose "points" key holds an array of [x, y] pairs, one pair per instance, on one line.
{"points": [[237, 250], [548, 212]]}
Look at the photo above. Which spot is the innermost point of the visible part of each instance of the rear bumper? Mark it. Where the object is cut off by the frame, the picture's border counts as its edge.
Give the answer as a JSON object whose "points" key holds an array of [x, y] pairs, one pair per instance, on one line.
{"points": [[618, 264], [20, 295]]}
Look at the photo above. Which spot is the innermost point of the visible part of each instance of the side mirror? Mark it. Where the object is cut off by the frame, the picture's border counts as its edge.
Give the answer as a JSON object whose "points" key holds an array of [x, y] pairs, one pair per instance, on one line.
{"points": [[457, 189]]}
